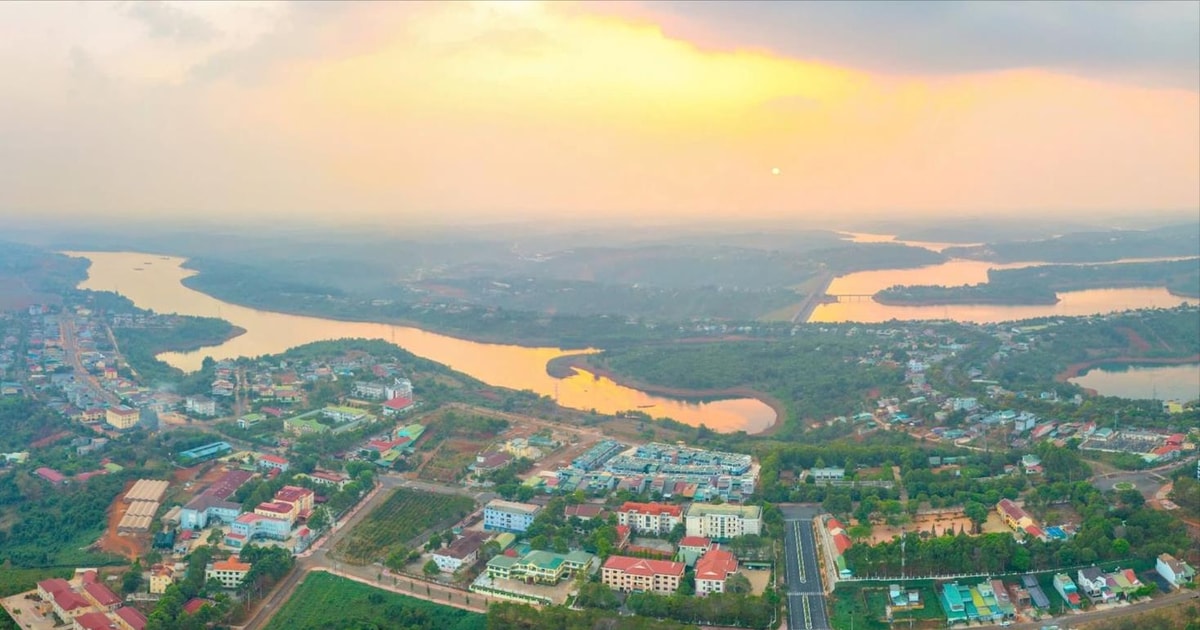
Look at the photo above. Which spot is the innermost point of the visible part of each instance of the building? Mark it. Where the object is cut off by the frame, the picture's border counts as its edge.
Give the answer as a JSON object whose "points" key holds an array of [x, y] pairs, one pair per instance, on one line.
{"points": [[200, 406], [509, 516], [1093, 584], [1177, 572], [463, 551], [342, 415], [51, 475], [122, 417], [300, 497], [129, 618], [1015, 517], [277, 510], [101, 597], [400, 388], [251, 526], [161, 576], [205, 453], [93, 621], [250, 420], [542, 567], [372, 391], [328, 478], [827, 474], [722, 522], [712, 569], [691, 548], [622, 573], [397, 406], [267, 462], [229, 573], [654, 519], [207, 508], [1067, 589]]}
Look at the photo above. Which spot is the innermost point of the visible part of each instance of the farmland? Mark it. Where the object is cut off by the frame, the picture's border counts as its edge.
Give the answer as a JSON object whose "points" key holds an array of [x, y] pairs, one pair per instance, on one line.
{"points": [[404, 516], [327, 601]]}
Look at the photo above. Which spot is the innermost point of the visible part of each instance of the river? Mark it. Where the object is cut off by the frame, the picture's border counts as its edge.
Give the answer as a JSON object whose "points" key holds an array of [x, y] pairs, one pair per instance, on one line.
{"points": [[154, 282], [957, 272], [1163, 382]]}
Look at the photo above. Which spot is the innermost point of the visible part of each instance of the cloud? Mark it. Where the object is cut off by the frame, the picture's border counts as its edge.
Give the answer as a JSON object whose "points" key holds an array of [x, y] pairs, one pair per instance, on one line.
{"points": [[167, 21], [1147, 42]]}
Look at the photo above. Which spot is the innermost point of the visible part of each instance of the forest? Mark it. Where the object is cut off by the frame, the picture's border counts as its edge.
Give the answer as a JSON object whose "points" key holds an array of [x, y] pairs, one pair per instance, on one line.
{"points": [[1096, 246], [182, 333]]}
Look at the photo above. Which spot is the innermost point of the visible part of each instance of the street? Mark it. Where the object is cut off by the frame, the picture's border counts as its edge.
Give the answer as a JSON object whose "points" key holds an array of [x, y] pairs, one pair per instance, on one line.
{"points": [[805, 594]]}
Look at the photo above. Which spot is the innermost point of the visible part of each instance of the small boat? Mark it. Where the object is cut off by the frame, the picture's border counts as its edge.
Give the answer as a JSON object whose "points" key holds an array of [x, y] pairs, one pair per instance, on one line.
{"points": [[646, 406], [138, 269]]}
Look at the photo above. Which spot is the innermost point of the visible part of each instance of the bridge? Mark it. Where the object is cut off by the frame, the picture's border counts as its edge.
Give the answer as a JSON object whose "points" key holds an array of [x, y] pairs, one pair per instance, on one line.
{"points": [[851, 297]]}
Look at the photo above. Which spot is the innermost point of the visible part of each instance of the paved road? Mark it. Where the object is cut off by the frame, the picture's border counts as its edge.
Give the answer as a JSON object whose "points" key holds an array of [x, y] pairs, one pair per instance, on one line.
{"points": [[805, 594]]}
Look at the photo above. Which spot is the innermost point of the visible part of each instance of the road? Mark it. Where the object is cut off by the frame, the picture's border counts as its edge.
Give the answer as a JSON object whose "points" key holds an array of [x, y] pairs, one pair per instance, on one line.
{"points": [[807, 606], [317, 558], [71, 348], [1071, 621]]}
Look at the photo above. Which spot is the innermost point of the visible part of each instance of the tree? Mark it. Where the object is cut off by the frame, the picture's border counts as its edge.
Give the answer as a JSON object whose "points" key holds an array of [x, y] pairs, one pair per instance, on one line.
{"points": [[132, 578], [215, 536], [738, 584], [319, 519], [430, 569], [977, 512], [677, 533]]}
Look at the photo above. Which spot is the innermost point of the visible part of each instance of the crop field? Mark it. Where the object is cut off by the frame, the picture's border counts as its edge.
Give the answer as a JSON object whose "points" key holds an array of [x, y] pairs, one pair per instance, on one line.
{"points": [[404, 516], [325, 601]]}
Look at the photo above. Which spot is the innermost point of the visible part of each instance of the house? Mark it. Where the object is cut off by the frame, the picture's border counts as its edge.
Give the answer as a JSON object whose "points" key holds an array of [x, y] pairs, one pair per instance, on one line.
{"points": [[509, 516], [250, 420], [655, 519], [712, 569], [463, 551], [1067, 589], [583, 511], [622, 573], [229, 573], [901, 599], [491, 462], [1177, 572], [200, 406], [328, 478], [1092, 582], [267, 462], [722, 522], [122, 417]]}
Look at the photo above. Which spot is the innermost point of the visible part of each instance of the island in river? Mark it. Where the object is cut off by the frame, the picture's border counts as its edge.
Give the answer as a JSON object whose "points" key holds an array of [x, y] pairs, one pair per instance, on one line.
{"points": [[1041, 284]]}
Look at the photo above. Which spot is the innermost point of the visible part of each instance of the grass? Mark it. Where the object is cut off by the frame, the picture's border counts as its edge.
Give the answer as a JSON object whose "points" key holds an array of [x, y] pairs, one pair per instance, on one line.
{"points": [[404, 516], [864, 603], [13, 581], [327, 602]]}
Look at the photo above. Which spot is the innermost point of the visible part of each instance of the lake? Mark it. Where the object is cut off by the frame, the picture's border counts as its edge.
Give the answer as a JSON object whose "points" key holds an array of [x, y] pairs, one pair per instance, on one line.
{"points": [[1161, 382], [154, 282]]}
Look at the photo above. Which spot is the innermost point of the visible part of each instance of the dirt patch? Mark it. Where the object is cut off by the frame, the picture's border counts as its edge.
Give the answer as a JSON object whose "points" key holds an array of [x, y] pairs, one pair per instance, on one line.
{"points": [[1136, 341], [129, 546], [938, 524]]}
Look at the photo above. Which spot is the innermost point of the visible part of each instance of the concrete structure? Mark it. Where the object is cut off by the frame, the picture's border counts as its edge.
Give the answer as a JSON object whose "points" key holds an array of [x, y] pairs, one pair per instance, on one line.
{"points": [[207, 508], [1067, 589], [372, 391], [342, 415], [130, 618], [268, 462], [205, 453], [93, 621], [161, 576], [252, 526], [397, 406], [712, 569], [122, 417], [1092, 582], [622, 573], [827, 474], [509, 516], [200, 406], [1177, 572], [655, 519], [691, 548], [229, 573], [101, 597], [722, 522]]}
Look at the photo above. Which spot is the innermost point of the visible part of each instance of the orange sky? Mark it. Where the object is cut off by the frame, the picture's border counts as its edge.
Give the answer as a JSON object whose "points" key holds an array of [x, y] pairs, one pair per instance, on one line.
{"points": [[526, 109]]}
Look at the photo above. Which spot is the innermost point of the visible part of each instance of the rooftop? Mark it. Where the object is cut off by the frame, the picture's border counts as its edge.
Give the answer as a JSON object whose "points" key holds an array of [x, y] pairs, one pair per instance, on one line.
{"points": [[101, 594], [642, 566], [512, 506], [232, 564]]}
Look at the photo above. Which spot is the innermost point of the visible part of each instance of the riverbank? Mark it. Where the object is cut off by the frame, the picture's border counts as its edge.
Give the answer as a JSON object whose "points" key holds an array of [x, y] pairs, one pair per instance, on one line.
{"points": [[567, 365], [967, 300]]}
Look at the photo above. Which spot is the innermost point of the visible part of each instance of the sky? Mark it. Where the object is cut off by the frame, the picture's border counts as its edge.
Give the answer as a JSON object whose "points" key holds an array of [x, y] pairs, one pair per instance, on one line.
{"points": [[497, 111]]}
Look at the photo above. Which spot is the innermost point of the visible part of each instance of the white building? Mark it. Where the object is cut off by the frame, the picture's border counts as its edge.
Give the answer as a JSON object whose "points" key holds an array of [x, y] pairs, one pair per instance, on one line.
{"points": [[229, 573], [722, 522], [400, 388], [200, 406], [463, 552], [655, 519], [1175, 571], [712, 569]]}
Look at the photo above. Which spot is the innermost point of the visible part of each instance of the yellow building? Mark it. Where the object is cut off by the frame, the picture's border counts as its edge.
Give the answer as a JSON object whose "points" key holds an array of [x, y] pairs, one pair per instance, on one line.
{"points": [[122, 417]]}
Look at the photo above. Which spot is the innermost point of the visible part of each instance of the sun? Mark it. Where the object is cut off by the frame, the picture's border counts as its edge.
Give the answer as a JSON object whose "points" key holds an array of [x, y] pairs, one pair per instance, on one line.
{"points": [[776, 171]]}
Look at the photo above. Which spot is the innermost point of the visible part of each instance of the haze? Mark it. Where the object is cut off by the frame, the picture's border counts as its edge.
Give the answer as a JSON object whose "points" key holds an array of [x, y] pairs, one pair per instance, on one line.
{"points": [[400, 112]]}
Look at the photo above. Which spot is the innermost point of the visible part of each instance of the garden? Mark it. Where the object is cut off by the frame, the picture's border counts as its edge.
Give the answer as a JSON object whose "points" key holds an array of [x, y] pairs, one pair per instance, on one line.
{"points": [[394, 524]]}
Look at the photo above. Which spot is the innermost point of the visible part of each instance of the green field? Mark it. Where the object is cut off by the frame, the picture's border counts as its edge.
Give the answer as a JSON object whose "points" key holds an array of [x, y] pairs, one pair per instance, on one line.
{"points": [[404, 516], [327, 602], [862, 604]]}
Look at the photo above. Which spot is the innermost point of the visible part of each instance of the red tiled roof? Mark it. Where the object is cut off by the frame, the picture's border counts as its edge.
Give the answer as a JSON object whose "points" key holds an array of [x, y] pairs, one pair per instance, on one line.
{"points": [[715, 564], [641, 566], [842, 542], [1012, 510], [651, 508], [95, 621], [695, 541], [292, 494], [54, 585], [88, 576], [398, 403], [70, 600], [835, 524], [194, 604], [132, 616], [1034, 530], [583, 510], [276, 507], [232, 564], [274, 459], [101, 594], [51, 475]]}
